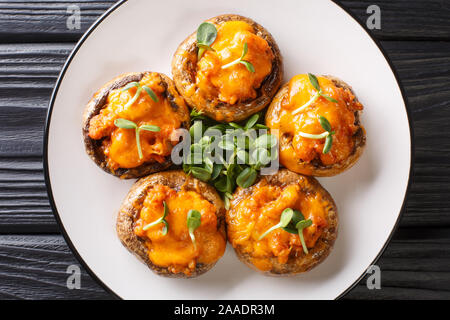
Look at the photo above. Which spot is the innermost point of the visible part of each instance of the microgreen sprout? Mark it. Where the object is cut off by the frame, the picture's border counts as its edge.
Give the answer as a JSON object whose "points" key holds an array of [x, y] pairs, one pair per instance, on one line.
{"points": [[300, 226], [193, 222], [328, 134], [160, 220], [247, 152], [296, 226], [241, 60], [319, 93], [127, 124], [286, 217], [206, 35]]}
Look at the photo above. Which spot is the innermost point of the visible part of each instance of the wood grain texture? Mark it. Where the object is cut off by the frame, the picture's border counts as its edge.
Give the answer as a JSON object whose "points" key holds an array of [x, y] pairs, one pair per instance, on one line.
{"points": [[34, 267], [46, 21]]}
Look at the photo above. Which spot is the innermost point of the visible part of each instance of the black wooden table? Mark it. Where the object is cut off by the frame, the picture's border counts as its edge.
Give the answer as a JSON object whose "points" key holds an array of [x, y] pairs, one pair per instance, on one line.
{"points": [[34, 43]]}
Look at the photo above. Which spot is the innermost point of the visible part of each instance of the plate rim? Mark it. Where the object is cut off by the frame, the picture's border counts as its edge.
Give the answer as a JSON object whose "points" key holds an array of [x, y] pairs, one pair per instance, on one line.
{"points": [[47, 131]]}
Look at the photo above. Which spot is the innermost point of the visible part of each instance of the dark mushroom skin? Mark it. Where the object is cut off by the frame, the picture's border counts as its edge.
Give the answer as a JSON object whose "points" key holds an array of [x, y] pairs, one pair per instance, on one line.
{"points": [[316, 167], [184, 70], [98, 102], [297, 261], [131, 206]]}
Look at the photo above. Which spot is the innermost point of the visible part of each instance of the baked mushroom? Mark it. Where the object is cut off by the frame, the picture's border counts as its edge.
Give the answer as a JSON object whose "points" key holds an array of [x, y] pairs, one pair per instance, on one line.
{"points": [[173, 223], [318, 123], [229, 68], [128, 124], [283, 225]]}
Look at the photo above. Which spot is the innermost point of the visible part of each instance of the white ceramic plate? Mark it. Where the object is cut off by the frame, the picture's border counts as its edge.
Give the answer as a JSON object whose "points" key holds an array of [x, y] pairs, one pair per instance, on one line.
{"points": [[313, 36]]}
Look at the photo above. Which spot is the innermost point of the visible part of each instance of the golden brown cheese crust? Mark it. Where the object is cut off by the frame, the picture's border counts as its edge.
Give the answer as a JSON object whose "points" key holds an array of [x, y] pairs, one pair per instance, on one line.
{"points": [[184, 70], [98, 102], [129, 213], [324, 244], [316, 167]]}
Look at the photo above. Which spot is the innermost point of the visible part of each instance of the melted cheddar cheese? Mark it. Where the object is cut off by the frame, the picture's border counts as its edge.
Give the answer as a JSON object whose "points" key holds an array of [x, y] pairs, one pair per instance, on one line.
{"points": [[175, 250], [341, 116], [119, 145], [236, 83], [250, 217]]}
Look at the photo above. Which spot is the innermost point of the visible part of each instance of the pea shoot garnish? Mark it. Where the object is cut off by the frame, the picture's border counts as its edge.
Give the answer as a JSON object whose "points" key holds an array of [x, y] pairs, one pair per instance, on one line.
{"points": [[247, 152], [285, 219], [206, 35], [319, 93], [300, 226], [295, 225], [193, 222], [147, 89], [328, 134], [127, 124], [241, 60], [160, 220]]}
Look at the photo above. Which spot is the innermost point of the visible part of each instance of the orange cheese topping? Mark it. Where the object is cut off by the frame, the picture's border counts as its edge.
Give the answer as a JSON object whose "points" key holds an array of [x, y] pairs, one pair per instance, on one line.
{"points": [[119, 144], [175, 250], [340, 115], [236, 83], [250, 217]]}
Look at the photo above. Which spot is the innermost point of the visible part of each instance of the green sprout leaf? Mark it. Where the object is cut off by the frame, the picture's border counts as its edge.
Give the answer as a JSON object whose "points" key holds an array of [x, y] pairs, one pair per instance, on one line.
{"points": [[325, 123], [248, 65], [328, 134], [127, 124], [285, 219], [197, 115], [251, 122], [244, 51], [328, 144], [319, 93], [314, 81], [149, 127], [193, 222], [201, 173], [329, 98], [297, 217], [265, 141], [151, 93], [130, 85], [205, 160], [260, 157], [241, 60], [206, 35], [147, 89], [246, 178]]}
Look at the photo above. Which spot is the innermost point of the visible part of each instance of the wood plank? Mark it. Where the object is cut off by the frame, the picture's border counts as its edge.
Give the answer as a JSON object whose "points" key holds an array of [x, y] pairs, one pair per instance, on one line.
{"points": [[360, 292], [406, 19], [38, 21], [39, 264]]}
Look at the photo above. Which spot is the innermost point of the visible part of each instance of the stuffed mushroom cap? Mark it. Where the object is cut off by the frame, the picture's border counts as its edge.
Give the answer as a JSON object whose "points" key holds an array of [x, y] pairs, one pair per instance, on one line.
{"points": [[144, 105], [318, 125], [253, 224], [170, 248]]}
